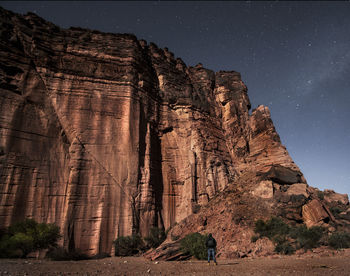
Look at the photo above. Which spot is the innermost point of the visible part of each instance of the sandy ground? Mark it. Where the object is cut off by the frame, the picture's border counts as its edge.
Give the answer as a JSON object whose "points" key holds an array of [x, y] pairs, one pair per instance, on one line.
{"points": [[281, 265]]}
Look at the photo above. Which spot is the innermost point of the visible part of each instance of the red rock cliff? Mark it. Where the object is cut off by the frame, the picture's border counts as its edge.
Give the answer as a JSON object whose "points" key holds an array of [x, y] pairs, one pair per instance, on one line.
{"points": [[106, 135]]}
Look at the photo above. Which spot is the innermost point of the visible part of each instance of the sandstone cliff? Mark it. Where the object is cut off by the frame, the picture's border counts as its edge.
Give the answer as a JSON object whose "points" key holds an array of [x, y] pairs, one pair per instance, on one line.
{"points": [[105, 135]]}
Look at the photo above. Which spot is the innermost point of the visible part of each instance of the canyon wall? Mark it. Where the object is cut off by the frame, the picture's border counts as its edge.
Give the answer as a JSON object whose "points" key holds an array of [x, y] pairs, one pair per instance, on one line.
{"points": [[107, 135]]}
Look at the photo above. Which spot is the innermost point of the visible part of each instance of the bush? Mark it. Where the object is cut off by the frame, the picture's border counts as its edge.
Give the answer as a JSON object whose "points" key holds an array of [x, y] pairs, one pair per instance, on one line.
{"points": [[307, 238], [335, 210], [276, 230], [8, 248], [339, 240], [194, 245], [24, 242], [28, 236], [284, 248], [320, 195], [254, 238], [129, 245], [26, 226], [283, 245], [287, 239], [155, 238], [271, 228]]}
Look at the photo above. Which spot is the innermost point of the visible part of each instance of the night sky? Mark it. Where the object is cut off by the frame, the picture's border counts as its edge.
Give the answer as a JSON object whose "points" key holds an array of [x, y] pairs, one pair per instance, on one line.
{"points": [[293, 56]]}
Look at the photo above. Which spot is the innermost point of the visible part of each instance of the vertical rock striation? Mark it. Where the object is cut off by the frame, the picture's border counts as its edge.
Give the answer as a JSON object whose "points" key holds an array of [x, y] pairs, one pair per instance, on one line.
{"points": [[106, 135]]}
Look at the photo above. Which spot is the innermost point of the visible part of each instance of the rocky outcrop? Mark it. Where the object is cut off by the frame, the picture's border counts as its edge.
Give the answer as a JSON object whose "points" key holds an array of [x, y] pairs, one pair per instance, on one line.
{"points": [[231, 215], [332, 197], [314, 213], [107, 135]]}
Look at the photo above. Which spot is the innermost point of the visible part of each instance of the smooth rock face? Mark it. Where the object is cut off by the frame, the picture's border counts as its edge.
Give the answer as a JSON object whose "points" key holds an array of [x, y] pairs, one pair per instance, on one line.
{"points": [[106, 135], [314, 213]]}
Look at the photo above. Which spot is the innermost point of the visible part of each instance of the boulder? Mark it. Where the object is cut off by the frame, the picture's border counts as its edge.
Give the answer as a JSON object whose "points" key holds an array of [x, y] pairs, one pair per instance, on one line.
{"points": [[298, 189], [332, 197], [314, 213]]}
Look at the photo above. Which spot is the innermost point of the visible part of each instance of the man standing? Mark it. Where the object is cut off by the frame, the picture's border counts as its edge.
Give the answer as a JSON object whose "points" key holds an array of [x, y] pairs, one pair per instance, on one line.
{"points": [[211, 246]]}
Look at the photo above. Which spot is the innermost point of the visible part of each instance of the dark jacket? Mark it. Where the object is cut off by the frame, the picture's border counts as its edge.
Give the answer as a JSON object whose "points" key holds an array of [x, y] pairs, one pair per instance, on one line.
{"points": [[211, 244]]}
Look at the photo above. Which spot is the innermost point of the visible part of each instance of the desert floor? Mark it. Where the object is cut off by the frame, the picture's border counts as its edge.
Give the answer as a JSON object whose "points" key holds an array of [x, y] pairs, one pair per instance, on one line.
{"points": [[276, 265]]}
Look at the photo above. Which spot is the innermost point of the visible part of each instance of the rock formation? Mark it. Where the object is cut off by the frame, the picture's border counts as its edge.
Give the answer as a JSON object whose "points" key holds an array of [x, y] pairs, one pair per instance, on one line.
{"points": [[106, 135]]}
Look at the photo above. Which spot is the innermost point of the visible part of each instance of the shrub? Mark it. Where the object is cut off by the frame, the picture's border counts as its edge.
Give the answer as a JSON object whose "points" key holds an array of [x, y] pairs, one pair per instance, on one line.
{"points": [[28, 236], [254, 238], [26, 226], [24, 242], [339, 240], [335, 210], [283, 245], [194, 245], [284, 248], [46, 235], [287, 239], [8, 249], [320, 195], [2, 232], [155, 238], [307, 238], [271, 228], [129, 245]]}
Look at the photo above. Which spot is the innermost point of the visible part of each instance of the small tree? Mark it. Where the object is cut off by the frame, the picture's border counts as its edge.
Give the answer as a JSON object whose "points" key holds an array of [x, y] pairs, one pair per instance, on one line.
{"points": [[27, 236], [46, 235]]}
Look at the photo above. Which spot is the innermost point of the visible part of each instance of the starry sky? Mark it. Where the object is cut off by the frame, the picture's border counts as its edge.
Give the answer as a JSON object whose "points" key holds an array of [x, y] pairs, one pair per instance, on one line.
{"points": [[293, 56]]}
